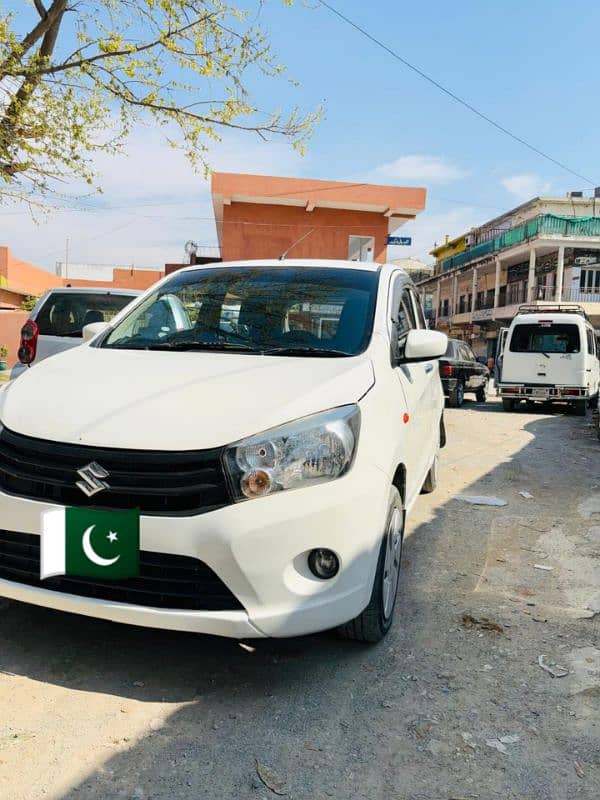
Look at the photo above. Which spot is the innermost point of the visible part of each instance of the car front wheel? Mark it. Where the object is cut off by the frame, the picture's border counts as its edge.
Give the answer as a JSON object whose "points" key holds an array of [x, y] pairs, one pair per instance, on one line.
{"points": [[376, 620]]}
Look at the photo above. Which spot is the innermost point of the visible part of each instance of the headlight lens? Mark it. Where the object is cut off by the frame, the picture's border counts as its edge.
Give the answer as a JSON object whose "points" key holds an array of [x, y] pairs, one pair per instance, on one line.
{"points": [[305, 452]]}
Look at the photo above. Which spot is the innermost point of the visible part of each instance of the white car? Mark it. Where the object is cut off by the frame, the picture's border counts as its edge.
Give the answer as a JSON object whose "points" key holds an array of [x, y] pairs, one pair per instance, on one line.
{"points": [[273, 453], [549, 355], [57, 320]]}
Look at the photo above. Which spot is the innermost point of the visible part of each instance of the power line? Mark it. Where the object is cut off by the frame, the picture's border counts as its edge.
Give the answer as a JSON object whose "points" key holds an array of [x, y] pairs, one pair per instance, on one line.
{"points": [[452, 95]]}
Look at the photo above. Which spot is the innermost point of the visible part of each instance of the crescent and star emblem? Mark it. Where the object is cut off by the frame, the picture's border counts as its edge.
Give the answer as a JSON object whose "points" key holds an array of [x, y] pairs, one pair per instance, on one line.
{"points": [[92, 555]]}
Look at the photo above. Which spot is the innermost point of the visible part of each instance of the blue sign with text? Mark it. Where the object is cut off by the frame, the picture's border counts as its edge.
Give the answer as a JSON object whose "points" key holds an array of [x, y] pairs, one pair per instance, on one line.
{"points": [[402, 240]]}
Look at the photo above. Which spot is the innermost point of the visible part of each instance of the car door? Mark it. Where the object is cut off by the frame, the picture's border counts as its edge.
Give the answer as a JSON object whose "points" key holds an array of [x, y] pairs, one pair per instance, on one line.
{"points": [[434, 392], [414, 381], [478, 369], [465, 370]]}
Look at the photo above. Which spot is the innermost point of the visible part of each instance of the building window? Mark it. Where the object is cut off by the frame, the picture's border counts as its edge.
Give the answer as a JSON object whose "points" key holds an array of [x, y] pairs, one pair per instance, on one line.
{"points": [[589, 281], [361, 248]]}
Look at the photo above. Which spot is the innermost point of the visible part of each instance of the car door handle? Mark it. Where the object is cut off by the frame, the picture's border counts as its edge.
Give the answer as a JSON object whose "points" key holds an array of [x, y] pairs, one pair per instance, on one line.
{"points": [[428, 367]]}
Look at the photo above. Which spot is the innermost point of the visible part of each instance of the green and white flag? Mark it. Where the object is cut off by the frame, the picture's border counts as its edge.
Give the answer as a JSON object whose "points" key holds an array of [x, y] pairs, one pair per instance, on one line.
{"points": [[90, 544]]}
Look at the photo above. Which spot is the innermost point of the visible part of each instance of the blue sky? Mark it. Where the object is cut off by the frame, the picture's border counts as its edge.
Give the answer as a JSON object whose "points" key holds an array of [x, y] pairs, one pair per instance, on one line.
{"points": [[531, 66]]}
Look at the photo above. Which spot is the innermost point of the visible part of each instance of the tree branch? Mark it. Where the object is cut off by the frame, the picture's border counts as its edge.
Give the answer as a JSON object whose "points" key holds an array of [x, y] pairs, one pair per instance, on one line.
{"points": [[40, 8], [55, 12]]}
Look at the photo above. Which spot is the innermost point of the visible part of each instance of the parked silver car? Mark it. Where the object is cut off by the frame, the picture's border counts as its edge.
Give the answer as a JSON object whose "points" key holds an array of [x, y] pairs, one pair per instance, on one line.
{"points": [[57, 320]]}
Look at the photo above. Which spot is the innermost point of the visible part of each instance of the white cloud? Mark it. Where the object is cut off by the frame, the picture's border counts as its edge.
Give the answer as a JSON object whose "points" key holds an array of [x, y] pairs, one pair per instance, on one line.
{"points": [[418, 169], [525, 186], [427, 230], [152, 204]]}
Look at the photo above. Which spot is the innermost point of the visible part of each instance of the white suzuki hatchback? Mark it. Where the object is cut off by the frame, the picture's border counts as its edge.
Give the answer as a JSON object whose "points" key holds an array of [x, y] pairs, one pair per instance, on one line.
{"points": [[272, 421]]}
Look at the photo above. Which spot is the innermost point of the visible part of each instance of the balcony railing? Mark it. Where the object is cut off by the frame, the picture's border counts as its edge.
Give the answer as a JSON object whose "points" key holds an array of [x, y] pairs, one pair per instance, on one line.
{"points": [[581, 295], [544, 225]]}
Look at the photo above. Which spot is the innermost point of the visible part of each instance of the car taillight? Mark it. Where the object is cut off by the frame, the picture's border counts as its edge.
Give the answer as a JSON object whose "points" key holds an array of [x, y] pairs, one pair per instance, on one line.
{"points": [[509, 389], [571, 392], [446, 371], [29, 338]]}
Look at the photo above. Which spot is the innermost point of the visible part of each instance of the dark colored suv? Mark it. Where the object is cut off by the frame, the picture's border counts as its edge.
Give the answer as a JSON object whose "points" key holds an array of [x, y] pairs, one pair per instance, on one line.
{"points": [[461, 372]]}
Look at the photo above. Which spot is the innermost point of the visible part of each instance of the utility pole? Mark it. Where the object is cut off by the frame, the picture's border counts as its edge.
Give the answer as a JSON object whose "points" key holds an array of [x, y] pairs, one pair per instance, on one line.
{"points": [[67, 258]]}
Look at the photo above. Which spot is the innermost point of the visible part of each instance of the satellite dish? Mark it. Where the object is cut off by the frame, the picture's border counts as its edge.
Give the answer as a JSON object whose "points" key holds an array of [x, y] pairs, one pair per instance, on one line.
{"points": [[191, 248]]}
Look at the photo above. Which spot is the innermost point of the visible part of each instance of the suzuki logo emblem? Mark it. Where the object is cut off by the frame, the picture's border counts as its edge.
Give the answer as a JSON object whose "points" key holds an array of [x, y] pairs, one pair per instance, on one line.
{"points": [[92, 482]]}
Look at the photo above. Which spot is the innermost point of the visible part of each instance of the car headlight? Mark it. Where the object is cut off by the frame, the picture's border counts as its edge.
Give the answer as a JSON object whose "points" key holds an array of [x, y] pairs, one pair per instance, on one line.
{"points": [[305, 452]]}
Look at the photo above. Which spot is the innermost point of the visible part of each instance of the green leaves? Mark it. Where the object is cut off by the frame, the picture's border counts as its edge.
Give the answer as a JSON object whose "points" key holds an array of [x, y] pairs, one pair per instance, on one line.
{"points": [[81, 78]]}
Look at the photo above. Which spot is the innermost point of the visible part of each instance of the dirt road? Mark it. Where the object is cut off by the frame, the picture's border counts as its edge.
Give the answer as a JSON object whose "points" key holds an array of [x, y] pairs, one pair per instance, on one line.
{"points": [[448, 706]]}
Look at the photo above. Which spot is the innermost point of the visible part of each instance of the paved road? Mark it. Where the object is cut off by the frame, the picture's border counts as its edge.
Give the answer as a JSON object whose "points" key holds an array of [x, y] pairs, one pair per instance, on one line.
{"points": [[98, 711]]}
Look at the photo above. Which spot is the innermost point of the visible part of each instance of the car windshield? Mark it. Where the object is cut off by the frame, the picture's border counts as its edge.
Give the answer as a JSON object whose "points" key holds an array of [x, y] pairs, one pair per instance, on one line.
{"points": [[65, 314], [269, 310], [545, 337]]}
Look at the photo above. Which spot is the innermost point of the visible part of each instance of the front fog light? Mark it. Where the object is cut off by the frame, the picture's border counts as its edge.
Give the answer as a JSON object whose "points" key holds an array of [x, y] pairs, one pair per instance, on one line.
{"points": [[323, 563]]}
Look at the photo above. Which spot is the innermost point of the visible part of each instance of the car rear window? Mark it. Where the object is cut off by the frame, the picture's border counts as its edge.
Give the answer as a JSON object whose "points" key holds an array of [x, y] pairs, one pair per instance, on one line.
{"points": [[450, 352], [66, 314], [545, 337]]}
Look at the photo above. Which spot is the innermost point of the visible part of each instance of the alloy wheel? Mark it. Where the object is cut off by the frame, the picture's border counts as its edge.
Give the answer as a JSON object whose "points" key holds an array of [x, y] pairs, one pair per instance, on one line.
{"points": [[391, 567]]}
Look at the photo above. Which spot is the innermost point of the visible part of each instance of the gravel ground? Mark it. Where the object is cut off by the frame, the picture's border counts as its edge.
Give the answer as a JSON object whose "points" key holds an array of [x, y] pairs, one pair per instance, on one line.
{"points": [[453, 704]]}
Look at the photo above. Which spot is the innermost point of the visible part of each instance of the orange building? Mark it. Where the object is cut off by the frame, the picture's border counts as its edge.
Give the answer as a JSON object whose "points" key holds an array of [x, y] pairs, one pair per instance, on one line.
{"points": [[267, 217]]}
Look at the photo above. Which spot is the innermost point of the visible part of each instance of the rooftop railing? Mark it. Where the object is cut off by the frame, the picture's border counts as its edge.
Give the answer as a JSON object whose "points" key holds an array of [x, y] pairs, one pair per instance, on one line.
{"points": [[544, 225]]}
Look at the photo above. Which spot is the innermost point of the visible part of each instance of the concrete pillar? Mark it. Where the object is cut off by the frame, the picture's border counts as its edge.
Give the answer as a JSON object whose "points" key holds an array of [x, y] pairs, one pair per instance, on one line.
{"points": [[474, 290], [560, 274], [497, 283], [438, 298], [455, 295], [531, 276]]}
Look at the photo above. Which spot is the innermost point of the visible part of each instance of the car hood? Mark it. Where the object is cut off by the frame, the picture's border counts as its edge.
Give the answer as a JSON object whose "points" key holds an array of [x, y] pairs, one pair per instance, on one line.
{"points": [[174, 401]]}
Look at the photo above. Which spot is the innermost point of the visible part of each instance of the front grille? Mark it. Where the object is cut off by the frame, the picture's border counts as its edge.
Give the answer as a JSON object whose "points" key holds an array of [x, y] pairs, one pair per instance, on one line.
{"points": [[165, 580], [156, 482]]}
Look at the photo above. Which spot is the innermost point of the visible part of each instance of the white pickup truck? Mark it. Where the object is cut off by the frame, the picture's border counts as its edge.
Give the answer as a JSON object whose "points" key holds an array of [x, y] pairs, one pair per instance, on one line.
{"points": [[550, 355]]}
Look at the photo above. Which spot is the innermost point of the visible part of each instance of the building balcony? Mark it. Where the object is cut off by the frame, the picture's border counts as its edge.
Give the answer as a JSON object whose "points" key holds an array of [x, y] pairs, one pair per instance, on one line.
{"points": [[544, 225]]}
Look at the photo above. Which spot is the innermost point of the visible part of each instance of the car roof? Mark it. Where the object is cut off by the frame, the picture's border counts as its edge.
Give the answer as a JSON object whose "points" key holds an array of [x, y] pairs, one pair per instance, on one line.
{"points": [[93, 290], [558, 316], [298, 263]]}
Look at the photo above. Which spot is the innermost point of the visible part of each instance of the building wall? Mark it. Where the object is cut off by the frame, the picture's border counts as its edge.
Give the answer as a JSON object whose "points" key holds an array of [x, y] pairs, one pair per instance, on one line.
{"points": [[122, 279], [11, 323], [245, 235]]}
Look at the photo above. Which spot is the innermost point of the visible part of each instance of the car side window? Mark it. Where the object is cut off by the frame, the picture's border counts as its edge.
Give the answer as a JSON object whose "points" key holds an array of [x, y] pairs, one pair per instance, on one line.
{"points": [[406, 316], [591, 342]]}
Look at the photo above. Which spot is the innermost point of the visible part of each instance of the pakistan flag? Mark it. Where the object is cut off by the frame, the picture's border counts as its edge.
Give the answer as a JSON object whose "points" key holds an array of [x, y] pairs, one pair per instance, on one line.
{"points": [[90, 544]]}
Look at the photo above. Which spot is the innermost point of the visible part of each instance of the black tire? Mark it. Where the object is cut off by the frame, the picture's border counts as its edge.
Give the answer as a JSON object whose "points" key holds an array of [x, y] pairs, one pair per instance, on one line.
{"points": [[481, 393], [373, 623], [442, 432], [457, 395], [508, 404], [593, 401], [580, 408], [431, 481]]}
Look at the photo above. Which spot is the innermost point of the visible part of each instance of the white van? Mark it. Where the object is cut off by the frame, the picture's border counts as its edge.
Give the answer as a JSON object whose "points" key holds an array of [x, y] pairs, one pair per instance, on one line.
{"points": [[550, 356], [233, 454]]}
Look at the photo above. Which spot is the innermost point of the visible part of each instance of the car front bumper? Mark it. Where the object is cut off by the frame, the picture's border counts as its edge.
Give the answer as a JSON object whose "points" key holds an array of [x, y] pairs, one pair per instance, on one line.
{"points": [[258, 549]]}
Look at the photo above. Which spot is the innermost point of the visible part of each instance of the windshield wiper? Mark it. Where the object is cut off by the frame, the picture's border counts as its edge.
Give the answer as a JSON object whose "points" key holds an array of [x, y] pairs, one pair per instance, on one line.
{"points": [[199, 345], [305, 350], [544, 354]]}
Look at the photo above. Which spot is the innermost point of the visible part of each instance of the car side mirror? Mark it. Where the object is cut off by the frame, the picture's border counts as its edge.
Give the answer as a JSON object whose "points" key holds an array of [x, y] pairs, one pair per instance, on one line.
{"points": [[92, 330], [422, 345]]}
